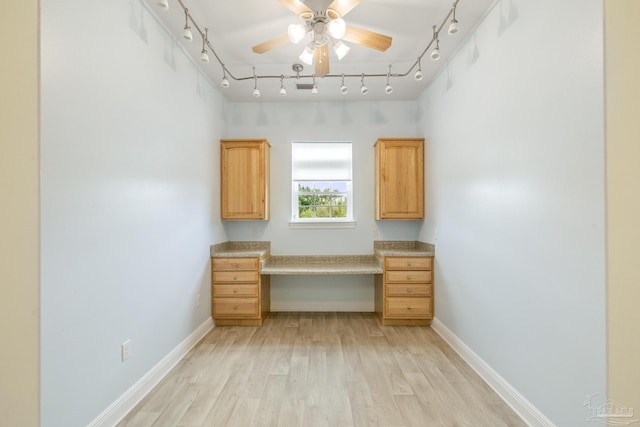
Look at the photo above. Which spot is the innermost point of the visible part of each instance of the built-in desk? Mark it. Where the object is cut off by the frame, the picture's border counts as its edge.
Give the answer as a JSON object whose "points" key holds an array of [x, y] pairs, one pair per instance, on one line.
{"points": [[321, 265], [403, 272]]}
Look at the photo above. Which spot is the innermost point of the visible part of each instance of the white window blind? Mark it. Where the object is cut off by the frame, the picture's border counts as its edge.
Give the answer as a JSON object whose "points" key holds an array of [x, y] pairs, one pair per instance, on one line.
{"points": [[321, 161]]}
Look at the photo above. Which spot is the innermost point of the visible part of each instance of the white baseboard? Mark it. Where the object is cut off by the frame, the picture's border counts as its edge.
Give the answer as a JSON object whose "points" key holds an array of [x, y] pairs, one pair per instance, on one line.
{"points": [[125, 403], [529, 413], [356, 306]]}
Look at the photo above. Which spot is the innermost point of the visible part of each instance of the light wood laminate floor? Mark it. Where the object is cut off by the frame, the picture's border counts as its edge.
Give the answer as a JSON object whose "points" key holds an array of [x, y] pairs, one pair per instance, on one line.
{"points": [[322, 369]]}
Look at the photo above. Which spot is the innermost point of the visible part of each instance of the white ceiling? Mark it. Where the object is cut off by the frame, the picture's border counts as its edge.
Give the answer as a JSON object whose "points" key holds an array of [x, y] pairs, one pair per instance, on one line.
{"points": [[237, 25]]}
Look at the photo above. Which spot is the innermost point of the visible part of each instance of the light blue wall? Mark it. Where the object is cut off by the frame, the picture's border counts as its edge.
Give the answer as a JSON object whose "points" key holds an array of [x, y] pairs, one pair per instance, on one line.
{"points": [[129, 201], [515, 184]]}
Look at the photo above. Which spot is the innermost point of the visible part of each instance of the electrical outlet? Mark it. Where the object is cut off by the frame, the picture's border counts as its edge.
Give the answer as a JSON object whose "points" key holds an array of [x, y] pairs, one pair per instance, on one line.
{"points": [[125, 350], [198, 300]]}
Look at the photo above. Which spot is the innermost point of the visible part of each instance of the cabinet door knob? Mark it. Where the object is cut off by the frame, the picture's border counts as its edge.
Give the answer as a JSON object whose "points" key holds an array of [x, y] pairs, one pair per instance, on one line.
{"points": [[234, 265], [409, 290], [235, 277], [408, 264], [235, 291], [408, 307], [408, 277], [235, 307]]}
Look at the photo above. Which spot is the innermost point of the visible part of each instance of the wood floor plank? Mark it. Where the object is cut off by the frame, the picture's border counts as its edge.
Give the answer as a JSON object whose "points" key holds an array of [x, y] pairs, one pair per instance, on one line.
{"points": [[322, 369]]}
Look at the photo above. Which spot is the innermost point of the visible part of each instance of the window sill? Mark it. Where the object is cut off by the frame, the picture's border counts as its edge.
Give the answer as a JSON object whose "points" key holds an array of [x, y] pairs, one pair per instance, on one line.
{"points": [[321, 224]]}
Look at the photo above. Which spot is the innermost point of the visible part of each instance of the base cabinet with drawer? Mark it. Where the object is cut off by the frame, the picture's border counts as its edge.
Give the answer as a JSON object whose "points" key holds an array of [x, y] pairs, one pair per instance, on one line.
{"points": [[239, 293], [404, 291]]}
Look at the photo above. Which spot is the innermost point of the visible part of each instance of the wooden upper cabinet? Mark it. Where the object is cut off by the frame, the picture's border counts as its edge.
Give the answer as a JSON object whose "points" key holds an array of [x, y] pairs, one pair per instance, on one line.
{"points": [[399, 180], [244, 179]]}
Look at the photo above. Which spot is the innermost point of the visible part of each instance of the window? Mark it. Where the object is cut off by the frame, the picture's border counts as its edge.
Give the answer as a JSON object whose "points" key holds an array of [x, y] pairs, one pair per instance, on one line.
{"points": [[321, 183]]}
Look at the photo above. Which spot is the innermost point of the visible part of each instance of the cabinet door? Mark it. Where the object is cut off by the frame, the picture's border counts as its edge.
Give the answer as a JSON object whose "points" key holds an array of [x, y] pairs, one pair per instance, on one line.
{"points": [[244, 179], [400, 179]]}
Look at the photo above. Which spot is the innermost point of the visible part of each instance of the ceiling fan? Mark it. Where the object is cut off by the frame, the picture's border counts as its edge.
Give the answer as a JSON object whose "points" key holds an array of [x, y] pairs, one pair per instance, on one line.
{"points": [[324, 24]]}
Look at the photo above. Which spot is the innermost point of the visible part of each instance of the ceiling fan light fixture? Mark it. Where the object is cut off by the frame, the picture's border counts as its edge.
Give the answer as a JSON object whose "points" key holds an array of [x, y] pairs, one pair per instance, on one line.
{"points": [[340, 49], [307, 55], [337, 28], [296, 32], [163, 4]]}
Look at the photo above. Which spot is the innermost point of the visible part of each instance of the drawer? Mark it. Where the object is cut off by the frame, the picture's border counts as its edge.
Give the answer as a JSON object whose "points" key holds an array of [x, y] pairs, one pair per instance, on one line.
{"points": [[235, 276], [235, 290], [418, 308], [408, 289], [408, 263], [235, 264], [235, 307], [415, 276]]}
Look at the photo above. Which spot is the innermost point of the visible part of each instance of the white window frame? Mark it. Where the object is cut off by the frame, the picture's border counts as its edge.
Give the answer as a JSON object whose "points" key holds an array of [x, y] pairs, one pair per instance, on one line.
{"points": [[297, 222]]}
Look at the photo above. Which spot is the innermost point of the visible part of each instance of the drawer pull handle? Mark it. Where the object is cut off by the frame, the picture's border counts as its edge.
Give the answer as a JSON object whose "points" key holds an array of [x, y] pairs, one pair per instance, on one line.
{"points": [[235, 307], [408, 277], [408, 307], [408, 264], [235, 265], [235, 291], [235, 277], [409, 290]]}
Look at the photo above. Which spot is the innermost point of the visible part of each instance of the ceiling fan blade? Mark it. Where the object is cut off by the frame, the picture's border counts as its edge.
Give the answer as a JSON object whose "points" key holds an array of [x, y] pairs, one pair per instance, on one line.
{"points": [[343, 6], [321, 59], [270, 44], [296, 6], [367, 38]]}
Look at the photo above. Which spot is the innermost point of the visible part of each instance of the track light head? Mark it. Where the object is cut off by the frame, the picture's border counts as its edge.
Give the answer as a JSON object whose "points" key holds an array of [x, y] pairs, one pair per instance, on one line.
{"points": [[363, 88], [204, 56], [256, 93], [186, 33], [435, 54], [163, 4], [225, 82], [453, 27], [343, 89], [418, 75], [283, 90], [388, 89]]}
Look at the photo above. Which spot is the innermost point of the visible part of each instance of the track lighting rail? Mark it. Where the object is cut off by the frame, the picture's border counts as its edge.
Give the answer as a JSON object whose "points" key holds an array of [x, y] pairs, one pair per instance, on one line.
{"points": [[255, 77]]}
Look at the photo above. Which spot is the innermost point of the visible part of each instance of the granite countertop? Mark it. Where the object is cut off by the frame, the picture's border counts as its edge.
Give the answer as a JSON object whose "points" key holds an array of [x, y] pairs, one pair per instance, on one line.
{"points": [[403, 248], [241, 249], [322, 265]]}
